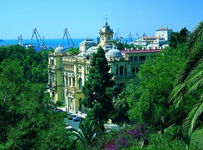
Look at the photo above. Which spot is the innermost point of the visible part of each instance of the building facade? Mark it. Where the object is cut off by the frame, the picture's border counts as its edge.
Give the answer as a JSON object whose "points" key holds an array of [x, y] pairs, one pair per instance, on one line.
{"points": [[67, 74]]}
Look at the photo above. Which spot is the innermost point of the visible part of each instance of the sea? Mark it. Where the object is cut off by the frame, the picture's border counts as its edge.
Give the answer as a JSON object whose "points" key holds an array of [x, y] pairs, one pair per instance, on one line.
{"points": [[49, 43]]}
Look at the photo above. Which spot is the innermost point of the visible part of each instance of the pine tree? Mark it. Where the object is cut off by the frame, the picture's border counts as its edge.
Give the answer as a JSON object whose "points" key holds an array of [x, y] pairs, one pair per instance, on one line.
{"points": [[98, 88]]}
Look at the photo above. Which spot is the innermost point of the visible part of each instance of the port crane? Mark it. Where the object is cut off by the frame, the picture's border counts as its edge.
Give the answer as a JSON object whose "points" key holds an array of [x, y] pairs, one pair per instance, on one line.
{"points": [[20, 39], [130, 36], [68, 37], [38, 38], [116, 34], [118, 39]]}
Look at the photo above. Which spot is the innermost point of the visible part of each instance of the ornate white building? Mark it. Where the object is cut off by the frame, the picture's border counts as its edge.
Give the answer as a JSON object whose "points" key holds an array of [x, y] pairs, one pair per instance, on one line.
{"points": [[67, 74]]}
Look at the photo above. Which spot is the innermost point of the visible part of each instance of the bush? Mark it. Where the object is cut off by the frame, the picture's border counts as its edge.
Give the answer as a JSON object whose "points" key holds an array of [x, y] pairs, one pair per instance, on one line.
{"points": [[59, 103], [196, 141], [164, 142], [125, 139]]}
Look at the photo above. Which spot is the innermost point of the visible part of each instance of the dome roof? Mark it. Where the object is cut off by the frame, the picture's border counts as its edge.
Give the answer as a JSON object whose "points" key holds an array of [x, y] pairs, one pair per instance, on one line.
{"points": [[106, 28], [114, 53], [60, 49]]}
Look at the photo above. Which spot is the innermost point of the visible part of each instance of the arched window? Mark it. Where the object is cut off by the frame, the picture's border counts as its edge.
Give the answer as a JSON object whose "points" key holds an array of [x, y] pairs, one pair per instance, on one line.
{"points": [[121, 70]]}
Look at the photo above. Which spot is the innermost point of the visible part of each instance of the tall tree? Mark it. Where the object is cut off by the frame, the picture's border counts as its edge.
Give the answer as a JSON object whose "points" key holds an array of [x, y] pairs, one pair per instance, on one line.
{"points": [[190, 81], [98, 88]]}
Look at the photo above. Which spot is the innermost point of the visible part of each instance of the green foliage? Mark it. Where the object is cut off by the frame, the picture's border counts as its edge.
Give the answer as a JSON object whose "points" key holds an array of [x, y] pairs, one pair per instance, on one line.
{"points": [[73, 51], [34, 63], [59, 103], [178, 37], [27, 119], [196, 141], [87, 135], [148, 100], [189, 82], [162, 142], [120, 46], [174, 132], [98, 88], [121, 107]]}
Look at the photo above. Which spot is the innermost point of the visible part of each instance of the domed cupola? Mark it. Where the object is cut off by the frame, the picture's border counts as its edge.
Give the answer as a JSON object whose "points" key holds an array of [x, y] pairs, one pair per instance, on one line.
{"points": [[106, 28], [60, 49], [114, 53], [106, 35]]}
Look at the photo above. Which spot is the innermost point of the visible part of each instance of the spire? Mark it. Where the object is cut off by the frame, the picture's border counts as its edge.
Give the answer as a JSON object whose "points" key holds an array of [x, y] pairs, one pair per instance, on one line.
{"points": [[106, 21]]}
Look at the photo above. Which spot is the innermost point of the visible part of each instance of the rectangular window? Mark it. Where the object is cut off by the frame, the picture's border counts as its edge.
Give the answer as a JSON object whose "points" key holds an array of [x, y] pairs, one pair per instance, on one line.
{"points": [[142, 58], [66, 79], [69, 80], [135, 58], [133, 70], [131, 58]]}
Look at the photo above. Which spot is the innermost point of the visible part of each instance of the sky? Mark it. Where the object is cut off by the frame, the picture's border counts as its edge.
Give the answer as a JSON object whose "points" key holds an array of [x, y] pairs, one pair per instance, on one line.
{"points": [[84, 18]]}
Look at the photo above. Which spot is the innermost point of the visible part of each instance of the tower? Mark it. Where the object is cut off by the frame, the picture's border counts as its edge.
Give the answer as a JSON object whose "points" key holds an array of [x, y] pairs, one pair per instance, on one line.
{"points": [[106, 35]]}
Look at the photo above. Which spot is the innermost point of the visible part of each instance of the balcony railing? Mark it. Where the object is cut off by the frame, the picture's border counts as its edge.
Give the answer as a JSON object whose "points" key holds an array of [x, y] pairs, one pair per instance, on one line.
{"points": [[122, 77]]}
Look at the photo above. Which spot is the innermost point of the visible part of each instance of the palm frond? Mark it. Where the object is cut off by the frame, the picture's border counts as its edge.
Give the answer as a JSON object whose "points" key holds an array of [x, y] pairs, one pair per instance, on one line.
{"points": [[86, 134], [192, 61], [196, 33], [195, 79], [194, 86], [79, 136], [177, 94], [191, 76], [190, 121]]}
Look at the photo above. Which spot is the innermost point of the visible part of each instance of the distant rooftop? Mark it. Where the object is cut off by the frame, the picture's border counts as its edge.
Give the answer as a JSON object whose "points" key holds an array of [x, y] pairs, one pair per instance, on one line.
{"points": [[163, 29], [140, 51]]}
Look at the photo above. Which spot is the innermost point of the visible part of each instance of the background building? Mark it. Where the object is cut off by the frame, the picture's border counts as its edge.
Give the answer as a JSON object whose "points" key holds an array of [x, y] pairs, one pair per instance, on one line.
{"points": [[159, 41]]}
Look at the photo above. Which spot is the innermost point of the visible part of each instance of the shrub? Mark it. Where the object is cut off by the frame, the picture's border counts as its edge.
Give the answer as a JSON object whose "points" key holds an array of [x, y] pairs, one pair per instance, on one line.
{"points": [[196, 141], [127, 138], [59, 103]]}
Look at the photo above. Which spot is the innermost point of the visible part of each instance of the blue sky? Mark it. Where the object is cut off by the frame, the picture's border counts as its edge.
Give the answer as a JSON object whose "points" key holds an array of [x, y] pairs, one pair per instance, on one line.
{"points": [[84, 18]]}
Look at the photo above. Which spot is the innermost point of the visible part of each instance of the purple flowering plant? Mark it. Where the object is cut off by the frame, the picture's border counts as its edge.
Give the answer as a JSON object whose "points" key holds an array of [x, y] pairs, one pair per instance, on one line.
{"points": [[126, 138]]}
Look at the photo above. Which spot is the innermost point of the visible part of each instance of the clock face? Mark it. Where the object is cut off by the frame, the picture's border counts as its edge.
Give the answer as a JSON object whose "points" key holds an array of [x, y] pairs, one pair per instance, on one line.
{"points": [[109, 38]]}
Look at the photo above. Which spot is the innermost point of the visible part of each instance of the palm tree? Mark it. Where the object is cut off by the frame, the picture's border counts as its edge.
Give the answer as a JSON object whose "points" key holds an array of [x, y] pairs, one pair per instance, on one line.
{"points": [[190, 79], [87, 134]]}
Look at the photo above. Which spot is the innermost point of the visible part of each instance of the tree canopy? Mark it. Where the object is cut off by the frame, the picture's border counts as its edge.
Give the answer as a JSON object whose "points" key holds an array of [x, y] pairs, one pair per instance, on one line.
{"points": [[148, 99], [179, 37], [27, 119]]}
